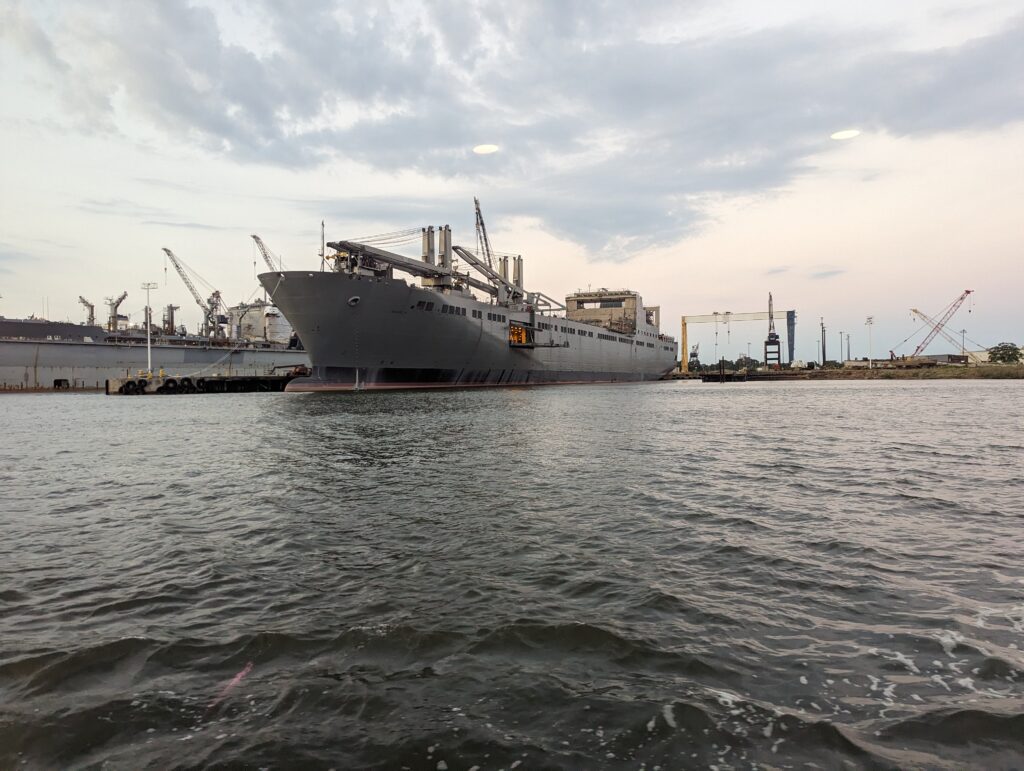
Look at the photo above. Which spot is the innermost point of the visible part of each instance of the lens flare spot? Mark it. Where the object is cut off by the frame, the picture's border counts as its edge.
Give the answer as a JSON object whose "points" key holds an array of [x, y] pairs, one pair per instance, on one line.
{"points": [[846, 134], [485, 149]]}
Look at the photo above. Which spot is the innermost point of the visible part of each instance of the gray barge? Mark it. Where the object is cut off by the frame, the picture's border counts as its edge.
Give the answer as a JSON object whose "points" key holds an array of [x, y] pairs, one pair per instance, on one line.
{"points": [[38, 354], [366, 328]]}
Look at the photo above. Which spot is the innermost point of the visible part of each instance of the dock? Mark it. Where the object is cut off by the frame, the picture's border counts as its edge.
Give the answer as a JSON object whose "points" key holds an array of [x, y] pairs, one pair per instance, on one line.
{"points": [[145, 384]]}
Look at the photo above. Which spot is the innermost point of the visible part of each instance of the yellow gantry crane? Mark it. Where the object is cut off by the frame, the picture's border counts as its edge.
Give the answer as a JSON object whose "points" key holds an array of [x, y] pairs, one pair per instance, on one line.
{"points": [[727, 318]]}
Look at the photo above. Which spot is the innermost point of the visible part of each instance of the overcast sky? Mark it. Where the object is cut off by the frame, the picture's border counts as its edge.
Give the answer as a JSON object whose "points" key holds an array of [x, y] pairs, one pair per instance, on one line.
{"points": [[681, 149]]}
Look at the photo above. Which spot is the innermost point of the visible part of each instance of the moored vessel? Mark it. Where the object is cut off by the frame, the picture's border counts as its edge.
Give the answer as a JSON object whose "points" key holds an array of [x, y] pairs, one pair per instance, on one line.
{"points": [[364, 327]]}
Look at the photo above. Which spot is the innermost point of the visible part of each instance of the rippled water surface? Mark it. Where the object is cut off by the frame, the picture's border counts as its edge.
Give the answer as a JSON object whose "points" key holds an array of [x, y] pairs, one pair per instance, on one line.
{"points": [[674, 574]]}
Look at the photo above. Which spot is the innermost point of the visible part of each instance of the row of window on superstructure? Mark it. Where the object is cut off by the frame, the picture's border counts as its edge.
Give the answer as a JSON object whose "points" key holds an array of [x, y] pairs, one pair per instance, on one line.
{"points": [[460, 311]]}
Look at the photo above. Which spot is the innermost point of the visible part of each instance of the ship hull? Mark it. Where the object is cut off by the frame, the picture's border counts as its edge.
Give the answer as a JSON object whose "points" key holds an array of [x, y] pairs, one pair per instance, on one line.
{"points": [[40, 364], [375, 333]]}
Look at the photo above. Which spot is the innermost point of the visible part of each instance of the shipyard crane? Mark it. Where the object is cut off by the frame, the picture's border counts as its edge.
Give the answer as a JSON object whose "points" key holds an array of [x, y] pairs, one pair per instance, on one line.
{"points": [[772, 344], [483, 243], [114, 304], [937, 326], [267, 256], [209, 307], [949, 338], [90, 310], [728, 317], [693, 363]]}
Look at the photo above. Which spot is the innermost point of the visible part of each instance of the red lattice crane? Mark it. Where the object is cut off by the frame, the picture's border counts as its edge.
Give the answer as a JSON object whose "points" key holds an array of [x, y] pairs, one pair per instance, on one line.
{"points": [[937, 326]]}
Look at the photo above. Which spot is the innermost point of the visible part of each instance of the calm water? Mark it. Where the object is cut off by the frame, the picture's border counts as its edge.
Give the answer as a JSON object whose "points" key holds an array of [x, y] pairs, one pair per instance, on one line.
{"points": [[674, 575]]}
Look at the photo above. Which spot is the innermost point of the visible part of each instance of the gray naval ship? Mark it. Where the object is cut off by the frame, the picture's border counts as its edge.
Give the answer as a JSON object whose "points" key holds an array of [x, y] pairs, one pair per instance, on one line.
{"points": [[365, 328]]}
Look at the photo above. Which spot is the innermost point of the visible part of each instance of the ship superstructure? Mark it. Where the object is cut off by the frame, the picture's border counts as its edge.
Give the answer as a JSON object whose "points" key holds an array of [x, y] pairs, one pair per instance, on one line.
{"points": [[366, 328]]}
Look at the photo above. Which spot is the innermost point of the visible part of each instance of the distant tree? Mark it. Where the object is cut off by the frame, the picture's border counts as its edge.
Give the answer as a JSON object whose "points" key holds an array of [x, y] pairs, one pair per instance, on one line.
{"points": [[1004, 353]]}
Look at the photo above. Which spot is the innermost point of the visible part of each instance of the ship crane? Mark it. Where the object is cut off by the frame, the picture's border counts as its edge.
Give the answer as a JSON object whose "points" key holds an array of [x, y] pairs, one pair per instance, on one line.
{"points": [[483, 243], [938, 326], [114, 304], [90, 311], [209, 306], [268, 257]]}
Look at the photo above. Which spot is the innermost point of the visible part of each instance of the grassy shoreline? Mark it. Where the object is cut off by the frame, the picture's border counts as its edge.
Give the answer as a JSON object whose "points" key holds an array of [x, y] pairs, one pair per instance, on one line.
{"points": [[981, 372]]}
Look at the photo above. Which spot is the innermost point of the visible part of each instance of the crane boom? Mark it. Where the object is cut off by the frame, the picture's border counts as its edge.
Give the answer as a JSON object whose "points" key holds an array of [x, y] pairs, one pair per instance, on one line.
{"points": [[483, 242], [209, 307], [267, 257], [949, 338], [937, 326], [114, 303], [90, 309]]}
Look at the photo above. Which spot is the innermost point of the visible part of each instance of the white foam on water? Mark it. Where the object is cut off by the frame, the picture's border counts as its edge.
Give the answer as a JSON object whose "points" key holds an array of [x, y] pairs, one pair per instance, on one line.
{"points": [[966, 682], [725, 698], [767, 730], [906, 661], [949, 640], [875, 682], [442, 766], [803, 679], [651, 723], [669, 715], [940, 681]]}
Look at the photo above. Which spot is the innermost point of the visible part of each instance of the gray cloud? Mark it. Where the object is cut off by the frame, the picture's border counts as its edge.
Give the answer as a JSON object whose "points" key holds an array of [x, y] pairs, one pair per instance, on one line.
{"points": [[606, 136], [10, 256], [188, 225], [120, 207], [823, 274]]}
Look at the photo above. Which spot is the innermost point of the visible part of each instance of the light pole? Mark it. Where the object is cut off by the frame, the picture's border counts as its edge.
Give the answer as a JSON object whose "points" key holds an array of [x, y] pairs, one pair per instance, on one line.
{"points": [[748, 353], [847, 346], [840, 346], [870, 322], [149, 325], [963, 348], [817, 348]]}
